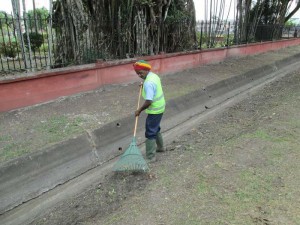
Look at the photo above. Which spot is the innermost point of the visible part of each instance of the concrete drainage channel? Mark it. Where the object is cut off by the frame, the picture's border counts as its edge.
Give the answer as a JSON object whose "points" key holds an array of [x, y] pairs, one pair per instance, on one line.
{"points": [[32, 184]]}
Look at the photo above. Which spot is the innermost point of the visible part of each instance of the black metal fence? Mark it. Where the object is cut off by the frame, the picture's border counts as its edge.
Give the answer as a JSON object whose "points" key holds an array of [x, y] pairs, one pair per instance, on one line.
{"points": [[25, 44], [225, 34], [31, 44]]}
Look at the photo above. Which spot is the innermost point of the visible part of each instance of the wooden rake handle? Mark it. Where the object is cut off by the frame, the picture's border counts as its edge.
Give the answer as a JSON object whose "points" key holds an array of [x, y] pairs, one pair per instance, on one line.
{"points": [[138, 106]]}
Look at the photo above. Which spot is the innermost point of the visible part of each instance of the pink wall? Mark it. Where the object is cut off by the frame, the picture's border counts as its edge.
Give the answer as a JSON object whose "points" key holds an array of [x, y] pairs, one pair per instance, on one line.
{"points": [[46, 86]]}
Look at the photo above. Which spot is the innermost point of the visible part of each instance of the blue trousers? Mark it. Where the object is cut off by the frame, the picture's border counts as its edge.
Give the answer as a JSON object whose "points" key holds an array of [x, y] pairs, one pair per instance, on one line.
{"points": [[153, 125]]}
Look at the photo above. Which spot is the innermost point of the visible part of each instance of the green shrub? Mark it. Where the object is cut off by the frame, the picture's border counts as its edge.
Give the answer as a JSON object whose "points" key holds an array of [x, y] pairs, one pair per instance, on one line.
{"points": [[9, 49], [44, 47], [36, 40]]}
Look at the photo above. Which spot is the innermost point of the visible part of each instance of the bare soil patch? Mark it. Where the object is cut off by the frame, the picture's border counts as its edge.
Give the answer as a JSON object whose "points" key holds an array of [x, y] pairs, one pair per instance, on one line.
{"points": [[241, 167]]}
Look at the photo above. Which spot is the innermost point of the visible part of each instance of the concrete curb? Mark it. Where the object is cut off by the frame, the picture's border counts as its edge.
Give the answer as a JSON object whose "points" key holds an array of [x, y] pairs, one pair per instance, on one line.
{"points": [[29, 176]]}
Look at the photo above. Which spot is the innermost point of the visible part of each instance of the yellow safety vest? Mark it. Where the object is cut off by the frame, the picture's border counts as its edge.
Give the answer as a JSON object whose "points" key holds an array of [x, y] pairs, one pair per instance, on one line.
{"points": [[158, 102]]}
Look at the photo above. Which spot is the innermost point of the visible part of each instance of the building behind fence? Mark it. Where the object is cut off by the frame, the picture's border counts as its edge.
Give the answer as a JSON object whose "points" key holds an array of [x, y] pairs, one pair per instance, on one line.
{"points": [[34, 44]]}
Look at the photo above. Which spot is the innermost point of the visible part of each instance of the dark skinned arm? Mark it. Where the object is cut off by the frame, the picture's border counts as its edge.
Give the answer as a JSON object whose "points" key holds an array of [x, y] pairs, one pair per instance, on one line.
{"points": [[146, 104]]}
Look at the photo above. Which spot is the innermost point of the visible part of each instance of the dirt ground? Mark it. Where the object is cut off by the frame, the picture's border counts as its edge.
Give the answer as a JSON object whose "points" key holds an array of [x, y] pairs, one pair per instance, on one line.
{"points": [[240, 167], [32, 129]]}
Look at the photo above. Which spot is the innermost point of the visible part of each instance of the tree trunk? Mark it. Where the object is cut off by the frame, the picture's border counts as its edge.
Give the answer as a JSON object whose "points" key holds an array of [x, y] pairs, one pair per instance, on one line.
{"points": [[50, 35], [293, 12], [119, 29], [71, 27], [18, 26], [35, 17], [27, 35]]}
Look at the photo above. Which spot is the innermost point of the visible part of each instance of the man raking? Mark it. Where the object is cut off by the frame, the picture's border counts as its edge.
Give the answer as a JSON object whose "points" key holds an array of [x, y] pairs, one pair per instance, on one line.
{"points": [[154, 106]]}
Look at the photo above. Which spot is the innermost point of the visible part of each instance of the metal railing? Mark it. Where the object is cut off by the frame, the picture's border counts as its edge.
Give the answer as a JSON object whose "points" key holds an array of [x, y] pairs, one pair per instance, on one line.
{"points": [[25, 51], [227, 34], [32, 44]]}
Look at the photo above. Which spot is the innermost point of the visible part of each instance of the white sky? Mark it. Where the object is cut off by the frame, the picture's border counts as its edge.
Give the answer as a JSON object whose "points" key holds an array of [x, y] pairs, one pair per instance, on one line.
{"points": [[5, 5], [200, 7]]}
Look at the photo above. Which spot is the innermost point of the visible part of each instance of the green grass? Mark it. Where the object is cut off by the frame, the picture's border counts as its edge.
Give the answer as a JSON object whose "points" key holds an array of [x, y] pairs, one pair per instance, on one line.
{"points": [[58, 127], [5, 138], [255, 186], [165, 176], [54, 130], [13, 150], [172, 93], [203, 186]]}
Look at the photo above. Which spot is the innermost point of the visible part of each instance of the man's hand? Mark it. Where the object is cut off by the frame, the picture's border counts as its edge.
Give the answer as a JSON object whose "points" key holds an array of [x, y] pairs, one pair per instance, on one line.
{"points": [[137, 112], [146, 104]]}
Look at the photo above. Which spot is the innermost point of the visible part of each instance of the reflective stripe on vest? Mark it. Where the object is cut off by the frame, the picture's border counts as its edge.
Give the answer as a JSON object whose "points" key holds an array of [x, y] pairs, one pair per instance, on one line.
{"points": [[158, 103], [158, 98], [156, 109]]}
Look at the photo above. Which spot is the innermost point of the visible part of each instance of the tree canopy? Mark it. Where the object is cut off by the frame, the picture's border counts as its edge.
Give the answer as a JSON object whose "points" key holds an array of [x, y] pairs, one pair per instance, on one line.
{"points": [[38, 18]]}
